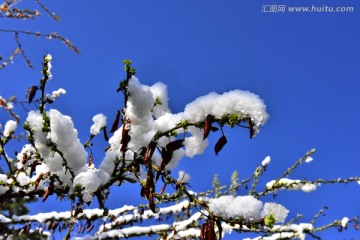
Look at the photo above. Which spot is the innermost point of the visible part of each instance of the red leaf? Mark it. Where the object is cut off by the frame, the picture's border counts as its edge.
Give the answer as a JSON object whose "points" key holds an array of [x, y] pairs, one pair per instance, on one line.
{"points": [[252, 131], [207, 125], [38, 181], [149, 151], [166, 157], [116, 122], [89, 228], [207, 231], [220, 144], [202, 232], [162, 189], [125, 139], [152, 203], [218, 224], [214, 129], [49, 191], [143, 192], [90, 160], [32, 93], [175, 145]]}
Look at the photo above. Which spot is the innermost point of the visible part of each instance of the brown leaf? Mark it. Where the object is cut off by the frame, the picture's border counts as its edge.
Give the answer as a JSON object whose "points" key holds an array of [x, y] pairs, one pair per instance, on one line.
{"points": [[116, 122], [207, 125], [32, 93], [175, 145], [220, 144]]}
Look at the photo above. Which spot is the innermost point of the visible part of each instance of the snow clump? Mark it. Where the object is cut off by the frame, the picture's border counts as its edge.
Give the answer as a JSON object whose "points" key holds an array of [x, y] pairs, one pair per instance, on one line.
{"points": [[10, 127], [99, 123]]}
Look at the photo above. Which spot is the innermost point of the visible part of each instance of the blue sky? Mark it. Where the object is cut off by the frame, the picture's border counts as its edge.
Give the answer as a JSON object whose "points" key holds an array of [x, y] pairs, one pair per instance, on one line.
{"points": [[305, 66]]}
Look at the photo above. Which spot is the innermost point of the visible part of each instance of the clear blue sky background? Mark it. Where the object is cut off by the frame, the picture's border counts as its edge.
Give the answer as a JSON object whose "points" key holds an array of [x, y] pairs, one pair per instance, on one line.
{"points": [[306, 67]]}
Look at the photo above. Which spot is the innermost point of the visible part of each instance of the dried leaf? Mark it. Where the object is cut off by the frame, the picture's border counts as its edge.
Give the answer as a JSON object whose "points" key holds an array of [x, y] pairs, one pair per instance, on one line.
{"points": [[220, 144], [32, 93], [175, 145], [116, 122], [207, 125]]}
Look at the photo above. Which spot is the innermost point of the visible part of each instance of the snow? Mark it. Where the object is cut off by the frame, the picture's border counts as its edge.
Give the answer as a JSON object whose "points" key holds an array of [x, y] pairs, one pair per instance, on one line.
{"points": [[23, 179], [291, 184], [10, 127], [266, 161], [159, 91], [48, 58], [99, 123], [195, 144], [55, 94], [293, 231], [7, 104], [241, 102], [278, 211], [3, 178], [344, 222], [140, 104], [308, 159], [183, 177], [90, 183], [65, 137], [4, 219], [245, 207]]}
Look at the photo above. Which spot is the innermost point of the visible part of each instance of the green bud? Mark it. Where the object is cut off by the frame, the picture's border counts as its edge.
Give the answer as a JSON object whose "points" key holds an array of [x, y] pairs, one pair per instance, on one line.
{"points": [[270, 221]]}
